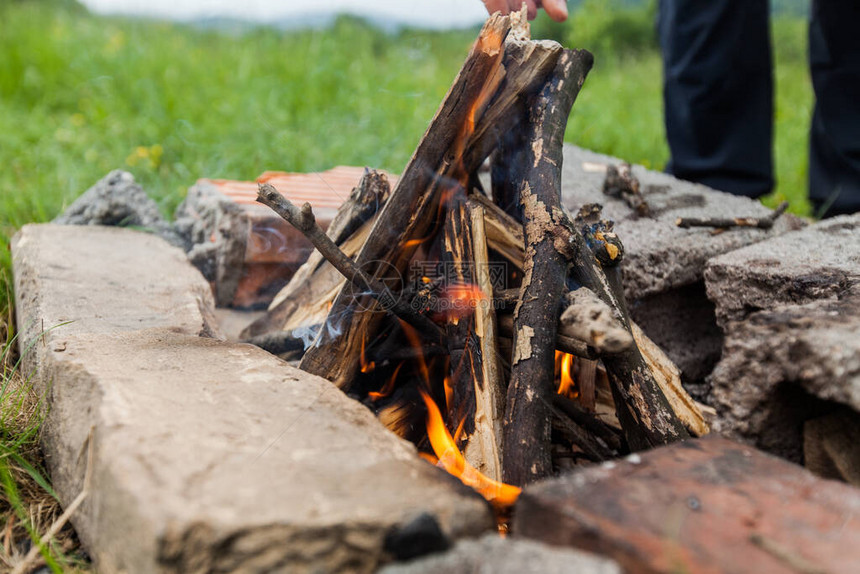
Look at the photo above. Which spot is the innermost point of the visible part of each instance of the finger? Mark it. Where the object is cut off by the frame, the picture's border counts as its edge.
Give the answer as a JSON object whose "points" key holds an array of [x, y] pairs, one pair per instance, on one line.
{"points": [[494, 6], [532, 6], [557, 9]]}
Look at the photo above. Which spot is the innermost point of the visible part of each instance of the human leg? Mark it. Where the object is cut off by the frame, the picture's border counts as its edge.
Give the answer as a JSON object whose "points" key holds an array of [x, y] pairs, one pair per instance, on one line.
{"points": [[718, 93], [834, 142]]}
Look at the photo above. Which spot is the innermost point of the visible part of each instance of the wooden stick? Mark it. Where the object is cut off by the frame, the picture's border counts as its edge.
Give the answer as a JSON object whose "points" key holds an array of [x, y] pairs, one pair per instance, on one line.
{"points": [[527, 414], [490, 388], [309, 292], [589, 319], [472, 407], [304, 221], [765, 222]]}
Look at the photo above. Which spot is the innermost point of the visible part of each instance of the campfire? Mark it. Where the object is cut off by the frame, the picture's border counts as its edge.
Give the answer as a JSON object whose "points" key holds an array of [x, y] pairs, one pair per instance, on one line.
{"points": [[487, 326]]}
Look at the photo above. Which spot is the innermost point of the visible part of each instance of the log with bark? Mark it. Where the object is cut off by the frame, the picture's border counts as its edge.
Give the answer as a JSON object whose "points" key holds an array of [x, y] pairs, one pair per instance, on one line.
{"points": [[527, 414]]}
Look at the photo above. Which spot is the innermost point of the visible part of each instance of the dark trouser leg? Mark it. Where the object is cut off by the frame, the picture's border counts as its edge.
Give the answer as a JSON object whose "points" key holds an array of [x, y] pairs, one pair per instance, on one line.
{"points": [[718, 93], [834, 148]]}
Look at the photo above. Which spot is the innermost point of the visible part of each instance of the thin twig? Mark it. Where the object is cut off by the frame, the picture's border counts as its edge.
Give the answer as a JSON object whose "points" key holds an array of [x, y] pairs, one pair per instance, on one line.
{"points": [[29, 560], [303, 219], [726, 222]]}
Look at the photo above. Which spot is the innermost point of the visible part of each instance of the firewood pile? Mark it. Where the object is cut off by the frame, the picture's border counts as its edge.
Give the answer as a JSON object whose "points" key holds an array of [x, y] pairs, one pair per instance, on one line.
{"points": [[488, 326]]}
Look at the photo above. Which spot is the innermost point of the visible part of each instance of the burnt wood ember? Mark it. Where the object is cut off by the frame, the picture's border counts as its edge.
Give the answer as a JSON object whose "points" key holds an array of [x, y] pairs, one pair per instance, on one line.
{"points": [[765, 222], [622, 184]]}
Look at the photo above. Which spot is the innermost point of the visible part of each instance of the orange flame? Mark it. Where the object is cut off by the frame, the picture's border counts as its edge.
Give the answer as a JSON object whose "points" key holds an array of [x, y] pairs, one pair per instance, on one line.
{"points": [[452, 460], [564, 369], [387, 387], [460, 301], [366, 366]]}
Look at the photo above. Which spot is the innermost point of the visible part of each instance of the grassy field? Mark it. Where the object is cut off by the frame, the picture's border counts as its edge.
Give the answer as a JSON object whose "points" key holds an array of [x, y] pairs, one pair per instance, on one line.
{"points": [[81, 95]]}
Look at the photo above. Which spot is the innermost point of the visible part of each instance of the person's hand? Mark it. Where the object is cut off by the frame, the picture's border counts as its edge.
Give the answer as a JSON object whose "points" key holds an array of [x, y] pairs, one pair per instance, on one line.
{"points": [[557, 9]]}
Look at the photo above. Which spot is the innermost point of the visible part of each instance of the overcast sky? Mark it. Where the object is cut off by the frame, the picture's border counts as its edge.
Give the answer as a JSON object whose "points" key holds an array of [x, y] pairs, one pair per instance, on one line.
{"points": [[431, 13]]}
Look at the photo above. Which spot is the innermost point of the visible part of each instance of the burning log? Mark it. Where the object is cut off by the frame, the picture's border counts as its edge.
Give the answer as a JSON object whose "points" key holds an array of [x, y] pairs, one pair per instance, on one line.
{"points": [[527, 415], [475, 405], [496, 77]]}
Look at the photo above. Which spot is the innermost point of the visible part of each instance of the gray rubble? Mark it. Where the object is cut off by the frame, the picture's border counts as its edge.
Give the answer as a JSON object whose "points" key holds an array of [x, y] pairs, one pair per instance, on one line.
{"points": [[207, 456], [495, 555], [118, 200]]}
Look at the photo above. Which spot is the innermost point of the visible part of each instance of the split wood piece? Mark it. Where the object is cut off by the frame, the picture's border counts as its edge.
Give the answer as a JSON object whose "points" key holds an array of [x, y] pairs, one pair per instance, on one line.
{"points": [[504, 233], [610, 436], [315, 284], [593, 449], [621, 183], [668, 376], [765, 222], [455, 144], [527, 413], [587, 318], [475, 406], [304, 221], [563, 343], [586, 378]]}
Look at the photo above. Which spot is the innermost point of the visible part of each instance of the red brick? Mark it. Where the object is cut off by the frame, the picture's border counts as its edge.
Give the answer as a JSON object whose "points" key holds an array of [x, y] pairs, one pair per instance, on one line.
{"points": [[707, 505], [274, 250]]}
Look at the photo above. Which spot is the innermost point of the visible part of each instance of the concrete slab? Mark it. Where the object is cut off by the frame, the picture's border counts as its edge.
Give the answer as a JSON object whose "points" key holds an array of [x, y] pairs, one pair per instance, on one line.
{"points": [[819, 262], [704, 505], [659, 255], [208, 456], [787, 365]]}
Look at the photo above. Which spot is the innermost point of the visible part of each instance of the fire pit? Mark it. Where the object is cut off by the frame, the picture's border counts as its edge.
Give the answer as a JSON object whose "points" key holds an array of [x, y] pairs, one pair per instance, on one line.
{"points": [[515, 333]]}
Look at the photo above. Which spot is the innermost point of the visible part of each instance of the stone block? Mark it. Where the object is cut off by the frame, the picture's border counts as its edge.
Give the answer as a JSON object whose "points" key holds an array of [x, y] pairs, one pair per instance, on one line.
{"points": [[495, 555], [118, 200], [207, 456], [705, 505], [790, 309], [819, 262]]}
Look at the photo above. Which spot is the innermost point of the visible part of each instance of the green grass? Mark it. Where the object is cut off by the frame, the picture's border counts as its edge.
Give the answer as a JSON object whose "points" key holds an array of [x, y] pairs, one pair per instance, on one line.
{"points": [[81, 95]]}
